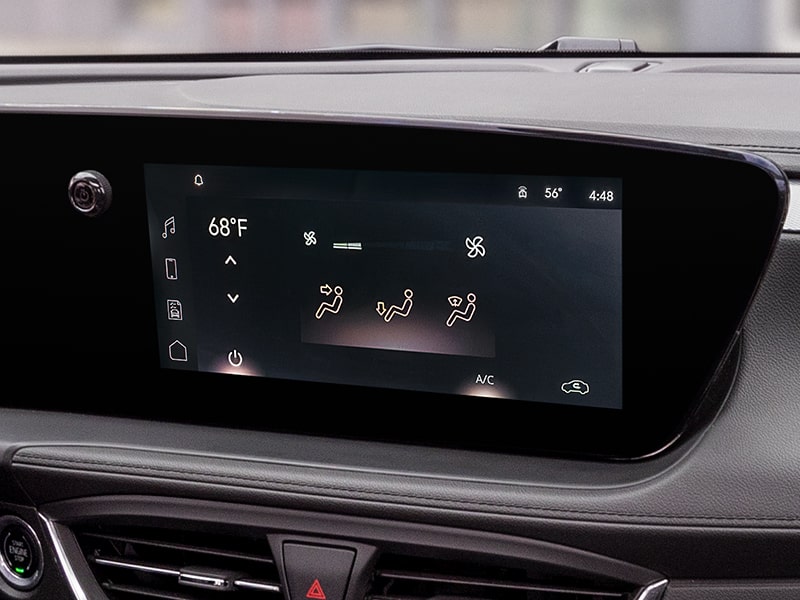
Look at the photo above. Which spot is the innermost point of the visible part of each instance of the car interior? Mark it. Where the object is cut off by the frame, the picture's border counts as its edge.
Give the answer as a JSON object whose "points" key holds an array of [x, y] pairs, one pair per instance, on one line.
{"points": [[401, 324]]}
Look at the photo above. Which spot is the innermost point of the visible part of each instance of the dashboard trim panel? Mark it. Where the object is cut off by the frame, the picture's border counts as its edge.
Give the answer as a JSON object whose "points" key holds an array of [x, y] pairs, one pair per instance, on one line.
{"points": [[717, 513], [65, 564]]}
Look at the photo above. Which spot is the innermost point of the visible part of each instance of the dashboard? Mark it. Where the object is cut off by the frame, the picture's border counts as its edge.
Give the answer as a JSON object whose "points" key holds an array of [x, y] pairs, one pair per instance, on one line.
{"points": [[503, 328]]}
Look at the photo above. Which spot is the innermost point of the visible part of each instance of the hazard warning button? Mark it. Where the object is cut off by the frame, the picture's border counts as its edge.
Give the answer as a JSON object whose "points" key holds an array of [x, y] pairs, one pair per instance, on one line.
{"points": [[315, 592], [317, 572]]}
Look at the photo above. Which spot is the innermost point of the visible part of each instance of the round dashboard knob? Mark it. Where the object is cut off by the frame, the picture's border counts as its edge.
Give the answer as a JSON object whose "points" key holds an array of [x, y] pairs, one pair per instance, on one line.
{"points": [[89, 193]]}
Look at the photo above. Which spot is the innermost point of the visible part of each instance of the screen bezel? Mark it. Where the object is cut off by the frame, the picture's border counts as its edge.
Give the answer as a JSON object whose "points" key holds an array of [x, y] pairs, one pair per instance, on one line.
{"points": [[694, 250]]}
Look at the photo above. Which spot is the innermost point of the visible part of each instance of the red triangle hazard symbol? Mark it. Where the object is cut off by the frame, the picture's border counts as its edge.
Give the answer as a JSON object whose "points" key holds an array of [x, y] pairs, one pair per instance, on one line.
{"points": [[315, 591]]}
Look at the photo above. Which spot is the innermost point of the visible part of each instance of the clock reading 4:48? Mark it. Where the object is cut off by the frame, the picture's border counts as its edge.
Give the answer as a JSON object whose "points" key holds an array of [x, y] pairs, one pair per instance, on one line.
{"points": [[602, 196]]}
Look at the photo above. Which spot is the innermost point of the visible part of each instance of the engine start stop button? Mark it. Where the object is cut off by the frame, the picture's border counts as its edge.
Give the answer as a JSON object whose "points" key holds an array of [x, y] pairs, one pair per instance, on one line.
{"points": [[20, 553]]}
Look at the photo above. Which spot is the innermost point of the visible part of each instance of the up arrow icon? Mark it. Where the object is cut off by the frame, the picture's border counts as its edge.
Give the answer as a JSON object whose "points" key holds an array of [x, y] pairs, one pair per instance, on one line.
{"points": [[230, 260]]}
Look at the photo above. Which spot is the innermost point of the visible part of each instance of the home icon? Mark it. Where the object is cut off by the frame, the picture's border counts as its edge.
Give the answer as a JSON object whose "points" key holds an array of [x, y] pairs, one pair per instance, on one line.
{"points": [[178, 352]]}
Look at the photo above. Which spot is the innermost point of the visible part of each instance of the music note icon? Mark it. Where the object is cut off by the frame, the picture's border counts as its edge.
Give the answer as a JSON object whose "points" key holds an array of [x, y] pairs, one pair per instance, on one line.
{"points": [[168, 224]]}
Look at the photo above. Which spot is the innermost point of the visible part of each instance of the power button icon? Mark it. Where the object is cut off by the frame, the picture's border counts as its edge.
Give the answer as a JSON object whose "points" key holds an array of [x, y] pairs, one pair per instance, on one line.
{"points": [[235, 358]]}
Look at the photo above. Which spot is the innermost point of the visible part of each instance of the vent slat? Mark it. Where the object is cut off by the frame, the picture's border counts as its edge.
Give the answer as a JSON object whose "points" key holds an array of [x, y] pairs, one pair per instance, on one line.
{"points": [[134, 566], [399, 577], [133, 590], [388, 597], [261, 586], [486, 583], [183, 548]]}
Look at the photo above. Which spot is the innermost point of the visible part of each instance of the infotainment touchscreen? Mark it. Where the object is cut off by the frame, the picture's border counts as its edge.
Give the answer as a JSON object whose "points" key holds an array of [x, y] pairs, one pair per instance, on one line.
{"points": [[455, 285], [469, 284]]}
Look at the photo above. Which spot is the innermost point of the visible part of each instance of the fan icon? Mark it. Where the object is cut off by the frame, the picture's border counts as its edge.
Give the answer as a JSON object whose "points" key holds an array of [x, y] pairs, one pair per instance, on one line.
{"points": [[475, 246]]}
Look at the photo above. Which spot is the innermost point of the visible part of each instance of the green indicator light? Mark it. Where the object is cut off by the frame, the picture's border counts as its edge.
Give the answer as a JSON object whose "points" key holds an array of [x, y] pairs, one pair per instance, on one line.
{"points": [[19, 570]]}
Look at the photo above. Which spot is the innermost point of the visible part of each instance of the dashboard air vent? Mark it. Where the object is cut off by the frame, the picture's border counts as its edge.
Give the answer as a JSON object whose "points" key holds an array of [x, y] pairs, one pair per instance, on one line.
{"points": [[179, 565], [400, 578]]}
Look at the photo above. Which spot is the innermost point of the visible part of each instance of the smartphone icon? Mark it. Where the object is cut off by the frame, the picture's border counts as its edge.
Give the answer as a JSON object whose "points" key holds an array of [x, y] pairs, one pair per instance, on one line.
{"points": [[172, 268]]}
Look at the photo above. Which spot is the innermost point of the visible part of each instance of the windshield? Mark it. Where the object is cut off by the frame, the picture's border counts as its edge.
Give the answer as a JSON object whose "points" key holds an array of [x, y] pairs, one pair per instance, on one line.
{"points": [[107, 27]]}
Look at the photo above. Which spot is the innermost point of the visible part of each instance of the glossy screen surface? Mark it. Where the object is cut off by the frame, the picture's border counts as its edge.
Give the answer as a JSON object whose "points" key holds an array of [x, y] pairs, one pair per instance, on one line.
{"points": [[466, 284]]}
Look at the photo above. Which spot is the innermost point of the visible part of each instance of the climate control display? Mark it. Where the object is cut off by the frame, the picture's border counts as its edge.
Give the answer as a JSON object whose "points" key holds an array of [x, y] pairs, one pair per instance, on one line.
{"points": [[457, 283]]}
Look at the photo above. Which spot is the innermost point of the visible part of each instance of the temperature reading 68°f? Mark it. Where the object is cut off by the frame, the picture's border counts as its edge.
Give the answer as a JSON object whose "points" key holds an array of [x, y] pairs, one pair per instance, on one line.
{"points": [[602, 196], [225, 226]]}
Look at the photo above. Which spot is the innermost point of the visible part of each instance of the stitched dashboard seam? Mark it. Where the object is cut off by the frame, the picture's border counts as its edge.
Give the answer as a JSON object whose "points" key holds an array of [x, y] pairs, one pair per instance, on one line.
{"points": [[220, 479]]}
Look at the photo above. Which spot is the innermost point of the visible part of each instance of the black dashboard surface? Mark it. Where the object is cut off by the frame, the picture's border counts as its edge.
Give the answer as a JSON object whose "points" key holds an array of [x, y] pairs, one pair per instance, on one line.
{"points": [[720, 507]]}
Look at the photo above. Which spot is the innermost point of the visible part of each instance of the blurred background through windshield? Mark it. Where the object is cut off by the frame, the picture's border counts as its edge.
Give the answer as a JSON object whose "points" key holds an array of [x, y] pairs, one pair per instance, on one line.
{"points": [[178, 26]]}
